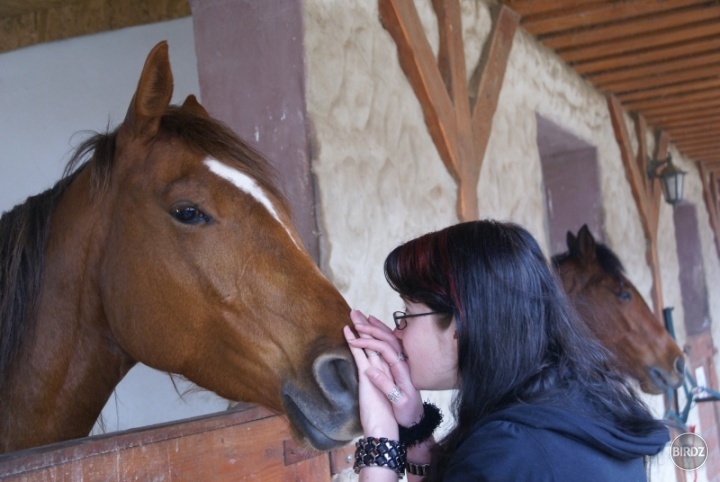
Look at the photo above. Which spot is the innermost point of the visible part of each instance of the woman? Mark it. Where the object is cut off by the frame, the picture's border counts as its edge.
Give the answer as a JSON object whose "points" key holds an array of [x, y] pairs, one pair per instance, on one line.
{"points": [[536, 396]]}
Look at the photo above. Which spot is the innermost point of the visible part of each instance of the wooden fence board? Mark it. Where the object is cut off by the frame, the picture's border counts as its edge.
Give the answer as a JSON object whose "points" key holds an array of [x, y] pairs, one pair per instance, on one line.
{"points": [[248, 443]]}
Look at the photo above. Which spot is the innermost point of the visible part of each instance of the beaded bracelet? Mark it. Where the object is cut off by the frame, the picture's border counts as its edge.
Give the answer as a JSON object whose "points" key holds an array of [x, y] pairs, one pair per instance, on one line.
{"points": [[380, 452], [417, 469], [423, 430]]}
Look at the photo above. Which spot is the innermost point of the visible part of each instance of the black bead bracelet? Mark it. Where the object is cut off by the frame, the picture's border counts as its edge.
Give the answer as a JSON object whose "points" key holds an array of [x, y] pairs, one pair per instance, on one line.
{"points": [[380, 452]]}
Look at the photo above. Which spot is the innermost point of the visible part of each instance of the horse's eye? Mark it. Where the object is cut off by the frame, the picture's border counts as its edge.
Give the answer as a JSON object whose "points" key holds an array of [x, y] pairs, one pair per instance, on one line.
{"points": [[189, 215], [625, 296]]}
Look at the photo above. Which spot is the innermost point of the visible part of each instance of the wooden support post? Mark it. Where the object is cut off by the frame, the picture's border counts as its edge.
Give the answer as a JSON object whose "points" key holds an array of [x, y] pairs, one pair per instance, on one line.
{"points": [[459, 130], [645, 191], [711, 195]]}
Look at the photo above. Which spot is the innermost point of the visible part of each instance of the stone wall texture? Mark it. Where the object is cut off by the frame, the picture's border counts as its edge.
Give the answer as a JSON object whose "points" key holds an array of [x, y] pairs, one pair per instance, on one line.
{"points": [[381, 181]]}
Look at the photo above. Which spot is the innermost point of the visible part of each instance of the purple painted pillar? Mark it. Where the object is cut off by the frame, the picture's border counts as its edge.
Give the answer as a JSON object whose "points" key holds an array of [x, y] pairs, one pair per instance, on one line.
{"points": [[696, 304], [251, 68]]}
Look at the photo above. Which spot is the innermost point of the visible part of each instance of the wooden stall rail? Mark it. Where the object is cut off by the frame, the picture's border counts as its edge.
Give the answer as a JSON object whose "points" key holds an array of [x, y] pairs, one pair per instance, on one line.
{"points": [[246, 443]]}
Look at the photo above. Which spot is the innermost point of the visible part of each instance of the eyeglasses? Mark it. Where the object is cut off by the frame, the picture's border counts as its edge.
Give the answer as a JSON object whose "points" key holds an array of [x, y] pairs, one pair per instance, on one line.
{"points": [[401, 317]]}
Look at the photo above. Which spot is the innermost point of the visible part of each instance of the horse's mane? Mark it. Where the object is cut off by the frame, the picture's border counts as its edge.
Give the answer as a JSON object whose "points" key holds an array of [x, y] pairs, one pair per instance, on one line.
{"points": [[608, 260], [24, 229], [23, 234]]}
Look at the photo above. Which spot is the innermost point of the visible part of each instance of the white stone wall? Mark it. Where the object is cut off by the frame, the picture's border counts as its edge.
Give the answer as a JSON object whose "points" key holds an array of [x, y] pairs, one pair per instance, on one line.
{"points": [[381, 181]]}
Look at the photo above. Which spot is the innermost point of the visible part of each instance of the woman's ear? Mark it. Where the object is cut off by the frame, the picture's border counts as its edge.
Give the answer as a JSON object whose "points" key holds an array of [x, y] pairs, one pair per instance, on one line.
{"points": [[454, 334]]}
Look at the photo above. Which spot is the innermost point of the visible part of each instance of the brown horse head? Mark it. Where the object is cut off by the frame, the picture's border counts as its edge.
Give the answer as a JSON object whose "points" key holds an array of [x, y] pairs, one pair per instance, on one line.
{"points": [[616, 313], [172, 247]]}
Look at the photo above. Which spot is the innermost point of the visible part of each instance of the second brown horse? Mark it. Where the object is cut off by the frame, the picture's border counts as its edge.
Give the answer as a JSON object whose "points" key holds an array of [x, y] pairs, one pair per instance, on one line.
{"points": [[616, 313]]}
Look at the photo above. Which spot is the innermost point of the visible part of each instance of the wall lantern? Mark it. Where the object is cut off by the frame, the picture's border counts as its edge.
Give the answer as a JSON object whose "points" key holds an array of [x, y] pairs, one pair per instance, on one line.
{"points": [[671, 178]]}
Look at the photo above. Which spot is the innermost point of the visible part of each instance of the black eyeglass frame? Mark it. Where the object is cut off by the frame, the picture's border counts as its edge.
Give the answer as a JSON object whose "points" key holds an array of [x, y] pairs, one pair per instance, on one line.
{"points": [[400, 317]]}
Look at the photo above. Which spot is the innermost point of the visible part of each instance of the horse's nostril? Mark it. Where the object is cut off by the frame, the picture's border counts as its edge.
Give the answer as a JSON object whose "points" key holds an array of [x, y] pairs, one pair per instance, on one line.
{"points": [[680, 365], [336, 375]]}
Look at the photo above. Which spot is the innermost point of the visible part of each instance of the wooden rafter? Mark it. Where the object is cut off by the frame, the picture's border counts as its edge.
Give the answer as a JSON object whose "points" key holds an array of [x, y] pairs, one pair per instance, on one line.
{"points": [[459, 129], [711, 194], [645, 191]]}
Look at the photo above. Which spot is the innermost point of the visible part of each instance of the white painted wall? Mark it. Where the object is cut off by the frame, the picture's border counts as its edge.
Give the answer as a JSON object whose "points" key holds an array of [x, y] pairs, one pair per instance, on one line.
{"points": [[49, 94]]}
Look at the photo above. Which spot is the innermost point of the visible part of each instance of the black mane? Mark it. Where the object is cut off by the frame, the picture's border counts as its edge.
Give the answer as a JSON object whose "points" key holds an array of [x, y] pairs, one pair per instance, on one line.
{"points": [[23, 234]]}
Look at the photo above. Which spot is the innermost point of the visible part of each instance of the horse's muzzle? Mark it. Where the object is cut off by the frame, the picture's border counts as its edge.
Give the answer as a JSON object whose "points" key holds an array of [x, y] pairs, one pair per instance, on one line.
{"points": [[326, 415], [667, 381]]}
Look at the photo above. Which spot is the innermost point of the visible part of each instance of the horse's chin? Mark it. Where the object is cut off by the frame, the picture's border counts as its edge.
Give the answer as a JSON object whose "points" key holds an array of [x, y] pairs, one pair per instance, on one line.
{"points": [[306, 429], [659, 381]]}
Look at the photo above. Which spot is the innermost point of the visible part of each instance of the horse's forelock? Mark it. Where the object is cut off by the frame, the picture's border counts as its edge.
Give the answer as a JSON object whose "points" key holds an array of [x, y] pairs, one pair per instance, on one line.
{"points": [[215, 139], [609, 261], [209, 136]]}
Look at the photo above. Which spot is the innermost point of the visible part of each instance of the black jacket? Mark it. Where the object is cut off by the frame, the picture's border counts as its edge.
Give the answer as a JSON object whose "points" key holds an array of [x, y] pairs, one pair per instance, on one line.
{"points": [[550, 443]]}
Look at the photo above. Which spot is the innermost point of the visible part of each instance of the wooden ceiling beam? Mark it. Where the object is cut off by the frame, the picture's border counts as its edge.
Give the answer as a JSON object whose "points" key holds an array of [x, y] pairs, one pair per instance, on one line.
{"points": [[531, 8], [607, 13], [669, 119], [641, 42], [670, 91], [671, 78], [691, 106], [628, 59], [690, 132], [673, 100], [713, 132], [658, 82], [701, 152], [694, 143], [712, 143], [647, 27], [699, 120], [631, 72]]}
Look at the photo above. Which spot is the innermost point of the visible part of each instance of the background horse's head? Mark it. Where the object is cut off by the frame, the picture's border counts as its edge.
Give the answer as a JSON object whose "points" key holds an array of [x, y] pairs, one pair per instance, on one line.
{"points": [[616, 313], [171, 246]]}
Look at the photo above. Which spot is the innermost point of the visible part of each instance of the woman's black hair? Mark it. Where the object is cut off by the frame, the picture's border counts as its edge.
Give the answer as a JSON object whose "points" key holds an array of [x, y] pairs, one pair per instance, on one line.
{"points": [[519, 340]]}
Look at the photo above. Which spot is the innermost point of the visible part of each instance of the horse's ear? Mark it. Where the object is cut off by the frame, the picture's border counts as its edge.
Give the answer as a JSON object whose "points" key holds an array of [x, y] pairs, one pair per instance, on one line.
{"points": [[585, 244], [191, 104], [153, 93], [570, 240]]}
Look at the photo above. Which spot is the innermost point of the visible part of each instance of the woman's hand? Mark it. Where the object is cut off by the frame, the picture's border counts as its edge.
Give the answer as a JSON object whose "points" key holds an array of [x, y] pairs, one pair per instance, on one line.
{"points": [[376, 414], [388, 371]]}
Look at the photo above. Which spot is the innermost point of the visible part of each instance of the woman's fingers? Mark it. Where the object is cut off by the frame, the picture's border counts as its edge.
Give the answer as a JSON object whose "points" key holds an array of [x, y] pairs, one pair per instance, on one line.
{"points": [[386, 385], [379, 334], [380, 325], [357, 352], [395, 360], [360, 322]]}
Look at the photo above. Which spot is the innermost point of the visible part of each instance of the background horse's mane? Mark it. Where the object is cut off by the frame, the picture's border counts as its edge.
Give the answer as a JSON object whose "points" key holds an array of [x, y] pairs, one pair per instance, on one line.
{"points": [[24, 229], [608, 260]]}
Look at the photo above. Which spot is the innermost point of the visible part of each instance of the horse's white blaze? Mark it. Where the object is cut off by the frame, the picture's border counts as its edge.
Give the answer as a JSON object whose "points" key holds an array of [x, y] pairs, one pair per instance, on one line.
{"points": [[249, 186]]}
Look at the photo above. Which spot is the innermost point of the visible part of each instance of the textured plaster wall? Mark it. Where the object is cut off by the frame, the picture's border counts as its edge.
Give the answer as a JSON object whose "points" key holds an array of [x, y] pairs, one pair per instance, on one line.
{"points": [[381, 181]]}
